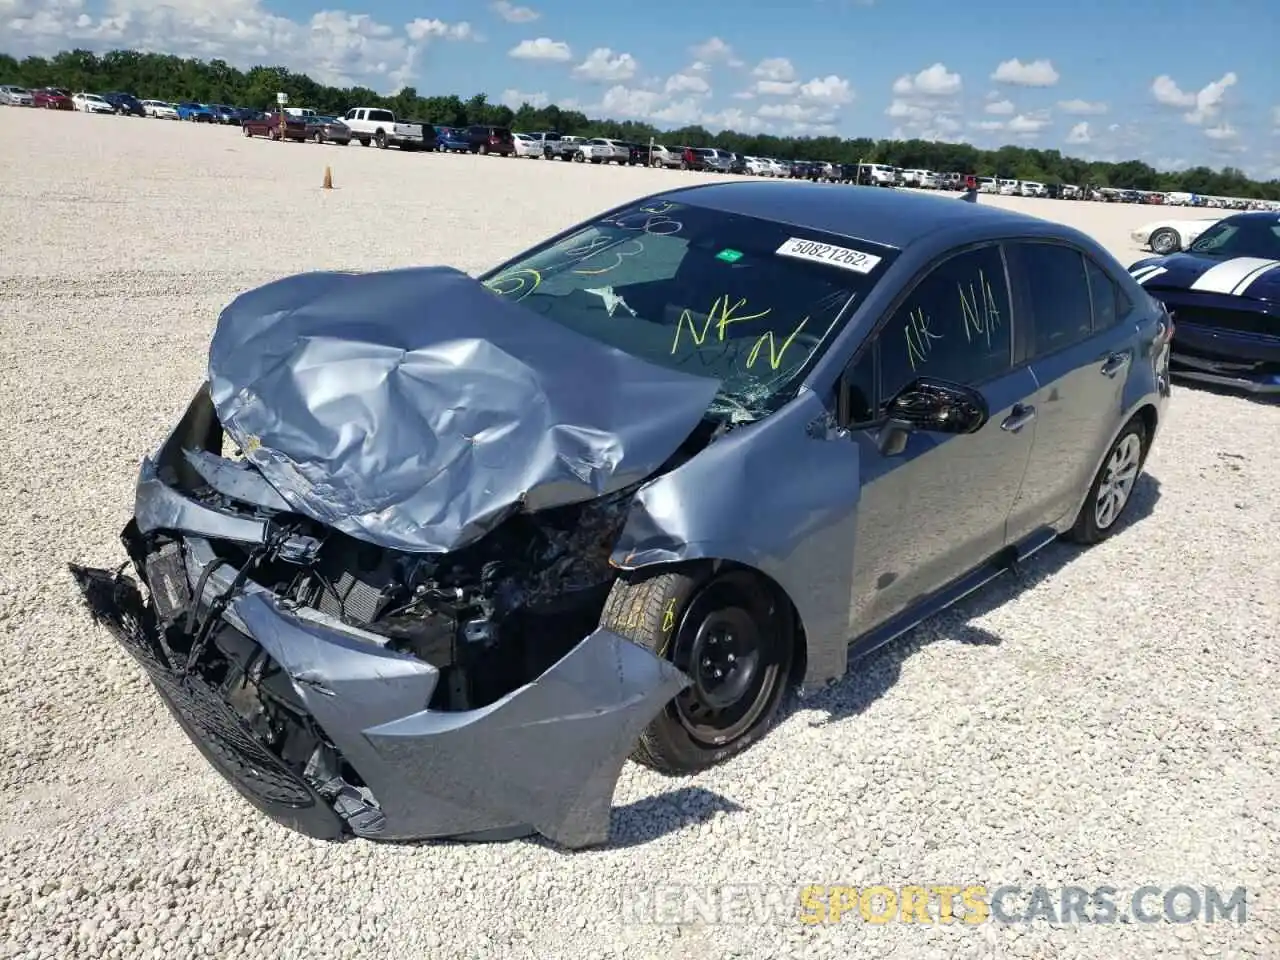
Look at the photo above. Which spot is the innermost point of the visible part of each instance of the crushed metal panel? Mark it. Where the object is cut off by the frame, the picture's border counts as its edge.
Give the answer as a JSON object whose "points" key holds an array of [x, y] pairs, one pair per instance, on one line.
{"points": [[236, 480], [548, 754], [157, 506], [781, 496], [416, 410]]}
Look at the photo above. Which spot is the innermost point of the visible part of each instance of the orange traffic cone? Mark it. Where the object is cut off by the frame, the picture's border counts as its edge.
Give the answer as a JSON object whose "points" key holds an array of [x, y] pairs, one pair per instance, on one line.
{"points": [[328, 179]]}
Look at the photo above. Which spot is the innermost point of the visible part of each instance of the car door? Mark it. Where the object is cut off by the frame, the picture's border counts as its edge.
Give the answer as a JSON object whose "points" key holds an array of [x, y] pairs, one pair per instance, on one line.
{"points": [[1080, 354], [939, 508]]}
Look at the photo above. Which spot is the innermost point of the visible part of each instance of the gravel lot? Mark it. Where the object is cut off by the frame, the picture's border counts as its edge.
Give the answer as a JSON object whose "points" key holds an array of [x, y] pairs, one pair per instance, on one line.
{"points": [[1109, 720]]}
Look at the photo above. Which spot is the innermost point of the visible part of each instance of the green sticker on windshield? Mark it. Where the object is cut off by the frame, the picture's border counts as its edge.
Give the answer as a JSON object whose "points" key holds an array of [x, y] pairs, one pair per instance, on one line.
{"points": [[729, 256]]}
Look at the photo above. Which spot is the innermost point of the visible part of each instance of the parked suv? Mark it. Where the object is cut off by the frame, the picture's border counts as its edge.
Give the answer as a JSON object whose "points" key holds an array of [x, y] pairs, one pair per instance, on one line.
{"points": [[486, 139]]}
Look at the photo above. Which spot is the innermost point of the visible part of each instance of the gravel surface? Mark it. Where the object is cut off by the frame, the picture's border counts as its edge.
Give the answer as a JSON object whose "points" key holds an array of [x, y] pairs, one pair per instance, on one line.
{"points": [[1109, 720]]}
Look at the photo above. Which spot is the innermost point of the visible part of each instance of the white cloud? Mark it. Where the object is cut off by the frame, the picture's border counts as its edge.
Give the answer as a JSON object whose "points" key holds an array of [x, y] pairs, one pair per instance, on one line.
{"points": [[514, 98], [715, 50], [604, 66], [1080, 133], [775, 68], [1168, 92], [905, 110], [687, 83], [1081, 108], [514, 14], [1222, 132], [1027, 124], [332, 46], [1035, 73], [679, 113], [830, 90], [1205, 103], [422, 29], [1209, 99], [543, 48], [987, 125], [1000, 107], [776, 88], [934, 81], [623, 101], [734, 119]]}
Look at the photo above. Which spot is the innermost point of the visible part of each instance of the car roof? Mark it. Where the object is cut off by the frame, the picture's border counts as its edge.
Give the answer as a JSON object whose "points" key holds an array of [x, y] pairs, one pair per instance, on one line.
{"points": [[888, 217]]}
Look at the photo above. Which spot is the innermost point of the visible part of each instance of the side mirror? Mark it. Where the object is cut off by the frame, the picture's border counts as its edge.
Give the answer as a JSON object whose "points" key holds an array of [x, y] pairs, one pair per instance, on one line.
{"points": [[937, 406]]}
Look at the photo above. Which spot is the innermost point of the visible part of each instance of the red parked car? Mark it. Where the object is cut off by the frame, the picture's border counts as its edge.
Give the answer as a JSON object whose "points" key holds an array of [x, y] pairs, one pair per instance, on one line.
{"points": [[268, 125], [51, 98]]}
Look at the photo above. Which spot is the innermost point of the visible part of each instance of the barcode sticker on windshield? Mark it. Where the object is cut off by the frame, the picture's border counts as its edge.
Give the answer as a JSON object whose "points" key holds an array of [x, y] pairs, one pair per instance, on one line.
{"points": [[841, 257]]}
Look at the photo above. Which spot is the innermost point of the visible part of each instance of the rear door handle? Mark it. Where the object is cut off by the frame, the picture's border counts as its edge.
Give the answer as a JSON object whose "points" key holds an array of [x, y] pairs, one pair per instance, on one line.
{"points": [[1114, 363], [1018, 418]]}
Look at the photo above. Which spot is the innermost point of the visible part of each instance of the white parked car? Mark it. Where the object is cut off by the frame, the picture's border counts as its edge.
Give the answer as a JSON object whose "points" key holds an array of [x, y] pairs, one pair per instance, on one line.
{"points": [[877, 174], [527, 146], [779, 168], [16, 96], [758, 166], [1032, 188], [1008, 188], [159, 109], [664, 156], [928, 180], [604, 150], [988, 185], [91, 103], [1170, 236]]}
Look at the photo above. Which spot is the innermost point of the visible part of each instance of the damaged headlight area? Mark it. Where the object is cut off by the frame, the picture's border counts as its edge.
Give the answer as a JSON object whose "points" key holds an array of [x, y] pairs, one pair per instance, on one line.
{"points": [[348, 688]]}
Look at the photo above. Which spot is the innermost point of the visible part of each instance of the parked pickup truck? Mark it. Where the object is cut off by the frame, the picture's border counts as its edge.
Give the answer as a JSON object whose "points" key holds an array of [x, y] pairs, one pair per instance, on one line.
{"points": [[374, 125]]}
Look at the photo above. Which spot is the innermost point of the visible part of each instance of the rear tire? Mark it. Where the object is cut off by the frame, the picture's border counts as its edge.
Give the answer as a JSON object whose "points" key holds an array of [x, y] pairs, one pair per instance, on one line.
{"points": [[380, 138], [732, 634], [1112, 487]]}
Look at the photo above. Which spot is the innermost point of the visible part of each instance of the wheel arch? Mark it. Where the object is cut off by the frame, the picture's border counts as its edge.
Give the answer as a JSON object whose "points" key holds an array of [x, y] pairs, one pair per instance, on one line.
{"points": [[704, 561], [1146, 412]]}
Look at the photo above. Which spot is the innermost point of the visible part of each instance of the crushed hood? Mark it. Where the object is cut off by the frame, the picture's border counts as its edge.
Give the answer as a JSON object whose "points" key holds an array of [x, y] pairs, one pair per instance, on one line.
{"points": [[415, 409], [1253, 278]]}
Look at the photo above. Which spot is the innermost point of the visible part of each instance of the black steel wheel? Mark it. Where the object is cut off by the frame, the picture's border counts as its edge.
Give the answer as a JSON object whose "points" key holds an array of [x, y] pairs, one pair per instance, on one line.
{"points": [[732, 634]]}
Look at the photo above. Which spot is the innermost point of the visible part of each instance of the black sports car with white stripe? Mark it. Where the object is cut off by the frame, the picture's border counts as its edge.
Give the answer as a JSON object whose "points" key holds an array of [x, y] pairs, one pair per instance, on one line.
{"points": [[1224, 294]]}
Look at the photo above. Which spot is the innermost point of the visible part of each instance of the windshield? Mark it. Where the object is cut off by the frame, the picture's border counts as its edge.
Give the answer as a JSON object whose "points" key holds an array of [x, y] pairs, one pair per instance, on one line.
{"points": [[700, 291], [1241, 237]]}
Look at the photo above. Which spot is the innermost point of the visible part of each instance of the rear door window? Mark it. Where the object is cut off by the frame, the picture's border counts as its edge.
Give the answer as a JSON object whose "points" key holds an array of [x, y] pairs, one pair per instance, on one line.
{"points": [[1109, 303], [1058, 290]]}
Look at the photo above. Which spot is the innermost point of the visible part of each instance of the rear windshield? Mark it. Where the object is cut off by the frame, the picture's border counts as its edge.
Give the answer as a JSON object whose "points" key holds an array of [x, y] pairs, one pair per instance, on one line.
{"points": [[696, 290]]}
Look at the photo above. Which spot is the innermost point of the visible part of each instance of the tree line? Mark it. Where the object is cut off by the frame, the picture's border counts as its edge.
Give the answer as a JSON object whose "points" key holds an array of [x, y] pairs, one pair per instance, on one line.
{"points": [[168, 77]]}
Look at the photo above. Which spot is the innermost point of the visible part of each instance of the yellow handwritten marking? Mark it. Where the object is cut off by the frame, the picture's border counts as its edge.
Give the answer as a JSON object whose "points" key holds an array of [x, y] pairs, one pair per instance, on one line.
{"points": [[666, 207], [722, 315], [919, 337], [519, 283], [775, 356], [618, 255], [669, 617], [979, 317]]}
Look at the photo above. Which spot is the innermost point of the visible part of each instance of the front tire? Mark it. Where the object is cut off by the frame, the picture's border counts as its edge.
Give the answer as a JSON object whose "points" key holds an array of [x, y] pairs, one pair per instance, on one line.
{"points": [[1112, 488], [1165, 241], [732, 634]]}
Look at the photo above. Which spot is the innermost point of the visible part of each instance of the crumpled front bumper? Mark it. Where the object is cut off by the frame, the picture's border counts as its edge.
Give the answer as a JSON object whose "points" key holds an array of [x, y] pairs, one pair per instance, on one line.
{"points": [[1243, 361], [545, 758]]}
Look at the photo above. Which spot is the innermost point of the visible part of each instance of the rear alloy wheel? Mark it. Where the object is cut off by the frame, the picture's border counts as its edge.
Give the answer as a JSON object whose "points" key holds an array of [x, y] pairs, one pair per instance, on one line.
{"points": [[1112, 488], [1165, 241], [318, 137], [731, 634]]}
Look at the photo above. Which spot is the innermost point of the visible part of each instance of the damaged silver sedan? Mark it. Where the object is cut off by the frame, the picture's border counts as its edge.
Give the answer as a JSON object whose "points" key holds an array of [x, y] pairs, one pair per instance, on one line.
{"points": [[431, 556]]}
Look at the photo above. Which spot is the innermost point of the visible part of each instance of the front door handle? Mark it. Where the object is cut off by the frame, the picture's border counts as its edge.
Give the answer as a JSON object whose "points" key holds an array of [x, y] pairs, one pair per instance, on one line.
{"points": [[1114, 363], [1018, 418]]}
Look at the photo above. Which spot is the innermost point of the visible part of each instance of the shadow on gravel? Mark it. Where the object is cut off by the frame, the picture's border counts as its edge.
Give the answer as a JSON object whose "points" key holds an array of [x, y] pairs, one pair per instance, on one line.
{"points": [[871, 678], [1220, 390], [653, 817]]}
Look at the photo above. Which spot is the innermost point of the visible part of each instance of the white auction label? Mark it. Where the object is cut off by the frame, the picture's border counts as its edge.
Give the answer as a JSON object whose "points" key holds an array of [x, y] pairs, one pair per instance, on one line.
{"points": [[841, 257]]}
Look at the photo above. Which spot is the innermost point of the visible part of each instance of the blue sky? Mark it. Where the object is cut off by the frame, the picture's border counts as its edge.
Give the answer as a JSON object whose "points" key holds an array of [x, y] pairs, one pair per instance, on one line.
{"points": [[1168, 82]]}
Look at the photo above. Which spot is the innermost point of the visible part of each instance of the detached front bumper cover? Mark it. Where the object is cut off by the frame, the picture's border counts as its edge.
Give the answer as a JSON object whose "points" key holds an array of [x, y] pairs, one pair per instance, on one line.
{"points": [[545, 758]]}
